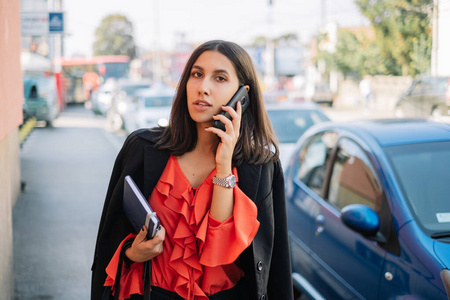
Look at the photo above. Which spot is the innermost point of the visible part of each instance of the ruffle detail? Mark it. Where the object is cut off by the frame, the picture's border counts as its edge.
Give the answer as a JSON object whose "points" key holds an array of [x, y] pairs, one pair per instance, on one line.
{"points": [[199, 252], [185, 253], [131, 278]]}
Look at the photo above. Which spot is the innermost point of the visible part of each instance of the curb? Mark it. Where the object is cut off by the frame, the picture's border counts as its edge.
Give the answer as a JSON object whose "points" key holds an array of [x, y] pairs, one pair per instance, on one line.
{"points": [[26, 128]]}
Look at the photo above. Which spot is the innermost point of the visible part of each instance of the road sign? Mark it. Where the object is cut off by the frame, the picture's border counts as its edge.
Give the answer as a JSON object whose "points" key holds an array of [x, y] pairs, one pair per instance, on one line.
{"points": [[41, 23]]}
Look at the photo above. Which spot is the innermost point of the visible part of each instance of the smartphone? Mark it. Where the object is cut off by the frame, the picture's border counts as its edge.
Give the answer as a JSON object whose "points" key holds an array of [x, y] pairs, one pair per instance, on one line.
{"points": [[242, 96]]}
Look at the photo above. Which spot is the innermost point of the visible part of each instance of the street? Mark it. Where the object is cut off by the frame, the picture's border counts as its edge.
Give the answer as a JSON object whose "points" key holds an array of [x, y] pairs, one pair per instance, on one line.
{"points": [[65, 171]]}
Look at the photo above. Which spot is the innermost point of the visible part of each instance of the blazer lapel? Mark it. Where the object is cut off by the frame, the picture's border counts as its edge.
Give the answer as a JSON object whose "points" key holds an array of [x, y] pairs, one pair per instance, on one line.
{"points": [[154, 163], [249, 179]]}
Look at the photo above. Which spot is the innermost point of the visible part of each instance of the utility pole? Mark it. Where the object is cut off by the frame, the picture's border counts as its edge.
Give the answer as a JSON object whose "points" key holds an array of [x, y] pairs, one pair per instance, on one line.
{"points": [[269, 78], [435, 39], [156, 46], [323, 13]]}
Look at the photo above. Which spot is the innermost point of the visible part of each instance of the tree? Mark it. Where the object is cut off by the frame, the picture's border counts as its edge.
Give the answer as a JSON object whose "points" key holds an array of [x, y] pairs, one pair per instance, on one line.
{"points": [[403, 33], [356, 53], [114, 36]]}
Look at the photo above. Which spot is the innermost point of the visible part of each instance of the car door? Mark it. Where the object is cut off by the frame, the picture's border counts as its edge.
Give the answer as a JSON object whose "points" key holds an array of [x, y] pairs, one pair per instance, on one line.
{"points": [[304, 188], [434, 100], [428, 97], [349, 264]]}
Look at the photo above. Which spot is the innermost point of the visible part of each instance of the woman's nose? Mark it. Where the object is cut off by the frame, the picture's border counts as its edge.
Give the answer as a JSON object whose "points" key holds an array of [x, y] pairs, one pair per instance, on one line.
{"points": [[203, 88]]}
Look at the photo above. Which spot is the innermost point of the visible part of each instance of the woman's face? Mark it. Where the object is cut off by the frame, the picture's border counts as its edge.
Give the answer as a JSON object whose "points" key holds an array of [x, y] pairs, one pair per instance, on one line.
{"points": [[211, 84]]}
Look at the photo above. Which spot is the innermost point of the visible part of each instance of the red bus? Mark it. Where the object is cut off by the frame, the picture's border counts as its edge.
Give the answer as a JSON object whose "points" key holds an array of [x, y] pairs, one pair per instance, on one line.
{"points": [[83, 75]]}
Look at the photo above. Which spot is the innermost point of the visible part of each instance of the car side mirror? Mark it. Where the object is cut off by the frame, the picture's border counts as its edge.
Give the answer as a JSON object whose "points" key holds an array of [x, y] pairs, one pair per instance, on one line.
{"points": [[361, 218]]}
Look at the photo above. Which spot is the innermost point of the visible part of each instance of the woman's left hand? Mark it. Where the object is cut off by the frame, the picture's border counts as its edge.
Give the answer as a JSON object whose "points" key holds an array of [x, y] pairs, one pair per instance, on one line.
{"points": [[229, 137]]}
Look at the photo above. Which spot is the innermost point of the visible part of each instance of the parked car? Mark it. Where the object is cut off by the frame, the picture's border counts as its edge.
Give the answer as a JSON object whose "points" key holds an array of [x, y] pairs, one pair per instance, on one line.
{"points": [[40, 99], [149, 108], [290, 121], [369, 211], [426, 96], [320, 93], [122, 99], [101, 98]]}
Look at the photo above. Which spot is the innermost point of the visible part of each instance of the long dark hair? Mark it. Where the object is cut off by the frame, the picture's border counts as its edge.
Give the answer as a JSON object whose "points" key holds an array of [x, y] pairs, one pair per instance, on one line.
{"points": [[257, 143]]}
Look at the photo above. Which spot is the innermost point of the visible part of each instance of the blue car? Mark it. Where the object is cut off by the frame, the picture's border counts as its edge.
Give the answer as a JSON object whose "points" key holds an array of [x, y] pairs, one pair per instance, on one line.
{"points": [[368, 206]]}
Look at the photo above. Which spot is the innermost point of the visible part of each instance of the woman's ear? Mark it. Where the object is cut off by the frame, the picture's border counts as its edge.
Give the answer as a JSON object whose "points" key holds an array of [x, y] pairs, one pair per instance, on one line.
{"points": [[248, 88]]}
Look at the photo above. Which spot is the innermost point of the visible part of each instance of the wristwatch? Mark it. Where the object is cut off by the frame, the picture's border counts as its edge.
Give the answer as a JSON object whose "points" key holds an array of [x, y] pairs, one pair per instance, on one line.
{"points": [[228, 182]]}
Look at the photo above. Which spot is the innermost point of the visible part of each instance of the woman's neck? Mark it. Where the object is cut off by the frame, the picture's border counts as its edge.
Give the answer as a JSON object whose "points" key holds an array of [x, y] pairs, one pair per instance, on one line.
{"points": [[206, 141]]}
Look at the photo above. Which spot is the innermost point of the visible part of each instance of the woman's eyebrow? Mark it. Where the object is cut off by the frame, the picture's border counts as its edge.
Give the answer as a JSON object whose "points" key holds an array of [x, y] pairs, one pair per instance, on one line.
{"points": [[197, 67], [219, 71]]}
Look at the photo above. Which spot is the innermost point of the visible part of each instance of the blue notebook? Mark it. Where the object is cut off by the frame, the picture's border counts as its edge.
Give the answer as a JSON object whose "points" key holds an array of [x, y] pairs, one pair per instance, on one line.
{"points": [[137, 209]]}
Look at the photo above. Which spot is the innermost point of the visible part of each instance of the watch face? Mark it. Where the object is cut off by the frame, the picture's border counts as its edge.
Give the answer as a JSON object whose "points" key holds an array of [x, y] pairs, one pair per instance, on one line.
{"points": [[232, 180]]}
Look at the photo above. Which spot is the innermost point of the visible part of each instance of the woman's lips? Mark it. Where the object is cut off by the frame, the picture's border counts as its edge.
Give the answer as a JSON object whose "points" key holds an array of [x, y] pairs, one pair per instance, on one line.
{"points": [[201, 105]]}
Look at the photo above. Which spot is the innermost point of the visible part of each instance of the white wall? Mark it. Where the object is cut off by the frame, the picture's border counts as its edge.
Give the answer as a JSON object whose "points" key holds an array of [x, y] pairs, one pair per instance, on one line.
{"points": [[441, 42]]}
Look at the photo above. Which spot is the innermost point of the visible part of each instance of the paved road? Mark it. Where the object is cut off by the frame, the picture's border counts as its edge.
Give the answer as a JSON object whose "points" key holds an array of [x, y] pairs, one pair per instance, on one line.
{"points": [[66, 171]]}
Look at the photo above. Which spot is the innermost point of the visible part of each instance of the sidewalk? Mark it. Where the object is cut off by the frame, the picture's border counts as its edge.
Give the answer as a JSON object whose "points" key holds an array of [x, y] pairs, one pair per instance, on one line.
{"points": [[350, 113], [65, 170]]}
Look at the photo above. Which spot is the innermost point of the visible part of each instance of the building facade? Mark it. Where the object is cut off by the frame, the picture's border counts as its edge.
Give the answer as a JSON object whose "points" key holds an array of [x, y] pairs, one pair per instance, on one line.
{"points": [[11, 101], [440, 60]]}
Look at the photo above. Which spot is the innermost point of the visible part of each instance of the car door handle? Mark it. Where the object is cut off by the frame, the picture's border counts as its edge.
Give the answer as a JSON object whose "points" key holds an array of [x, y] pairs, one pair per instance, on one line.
{"points": [[320, 222]]}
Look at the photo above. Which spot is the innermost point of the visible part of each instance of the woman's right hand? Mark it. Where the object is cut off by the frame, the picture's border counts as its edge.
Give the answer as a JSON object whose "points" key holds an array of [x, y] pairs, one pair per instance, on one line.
{"points": [[142, 249]]}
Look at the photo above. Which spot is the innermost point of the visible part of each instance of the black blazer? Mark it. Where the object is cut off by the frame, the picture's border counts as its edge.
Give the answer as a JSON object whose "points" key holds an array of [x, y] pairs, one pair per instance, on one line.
{"points": [[266, 262]]}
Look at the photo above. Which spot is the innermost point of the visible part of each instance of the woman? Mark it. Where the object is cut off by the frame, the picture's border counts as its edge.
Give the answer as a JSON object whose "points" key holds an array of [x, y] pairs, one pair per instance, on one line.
{"points": [[218, 240]]}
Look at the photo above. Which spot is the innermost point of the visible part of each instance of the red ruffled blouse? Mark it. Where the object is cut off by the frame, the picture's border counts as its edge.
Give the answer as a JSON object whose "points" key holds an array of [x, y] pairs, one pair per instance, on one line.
{"points": [[199, 251]]}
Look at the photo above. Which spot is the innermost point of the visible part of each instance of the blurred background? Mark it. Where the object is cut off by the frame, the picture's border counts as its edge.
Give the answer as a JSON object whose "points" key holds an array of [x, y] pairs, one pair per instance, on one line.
{"points": [[113, 66], [318, 50]]}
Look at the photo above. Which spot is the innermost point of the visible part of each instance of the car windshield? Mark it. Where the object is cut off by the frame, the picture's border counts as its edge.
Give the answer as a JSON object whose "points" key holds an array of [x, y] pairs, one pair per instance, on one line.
{"points": [[130, 89], [115, 70], [422, 170], [290, 124], [158, 101]]}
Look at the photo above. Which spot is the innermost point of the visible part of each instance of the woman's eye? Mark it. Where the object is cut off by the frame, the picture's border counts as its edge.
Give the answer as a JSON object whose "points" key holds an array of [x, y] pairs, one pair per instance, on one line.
{"points": [[221, 78], [196, 74]]}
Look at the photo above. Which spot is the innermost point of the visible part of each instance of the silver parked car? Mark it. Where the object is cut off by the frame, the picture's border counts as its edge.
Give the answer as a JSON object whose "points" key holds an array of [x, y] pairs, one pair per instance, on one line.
{"points": [[149, 108], [122, 100], [426, 96], [290, 121]]}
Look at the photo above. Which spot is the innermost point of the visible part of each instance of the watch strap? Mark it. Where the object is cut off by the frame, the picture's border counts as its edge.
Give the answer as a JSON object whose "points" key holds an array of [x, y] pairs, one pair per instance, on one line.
{"points": [[228, 182]]}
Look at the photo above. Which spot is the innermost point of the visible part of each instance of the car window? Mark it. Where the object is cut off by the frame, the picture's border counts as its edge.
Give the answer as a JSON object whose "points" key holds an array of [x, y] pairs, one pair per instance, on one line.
{"points": [[130, 89], [422, 171], [416, 88], [353, 180], [289, 125], [158, 101], [440, 85], [427, 84], [313, 158]]}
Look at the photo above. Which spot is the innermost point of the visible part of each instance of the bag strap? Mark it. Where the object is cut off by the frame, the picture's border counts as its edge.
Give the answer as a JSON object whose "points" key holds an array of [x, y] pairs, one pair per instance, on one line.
{"points": [[146, 276], [125, 246]]}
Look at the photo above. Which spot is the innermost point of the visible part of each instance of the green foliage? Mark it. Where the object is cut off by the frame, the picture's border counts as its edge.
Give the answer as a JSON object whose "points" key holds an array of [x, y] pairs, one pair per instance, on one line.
{"points": [[403, 33], [402, 43], [114, 36], [355, 56]]}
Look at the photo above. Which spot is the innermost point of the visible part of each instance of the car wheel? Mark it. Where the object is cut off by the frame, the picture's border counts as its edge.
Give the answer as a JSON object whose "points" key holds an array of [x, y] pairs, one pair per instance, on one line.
{"points": [[399, 112], [116, 122], [436, 112], [297, 294]]}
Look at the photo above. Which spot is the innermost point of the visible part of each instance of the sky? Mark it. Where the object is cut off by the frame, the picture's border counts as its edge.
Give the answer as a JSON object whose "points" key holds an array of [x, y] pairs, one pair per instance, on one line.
{"points": [[161, 23]]}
